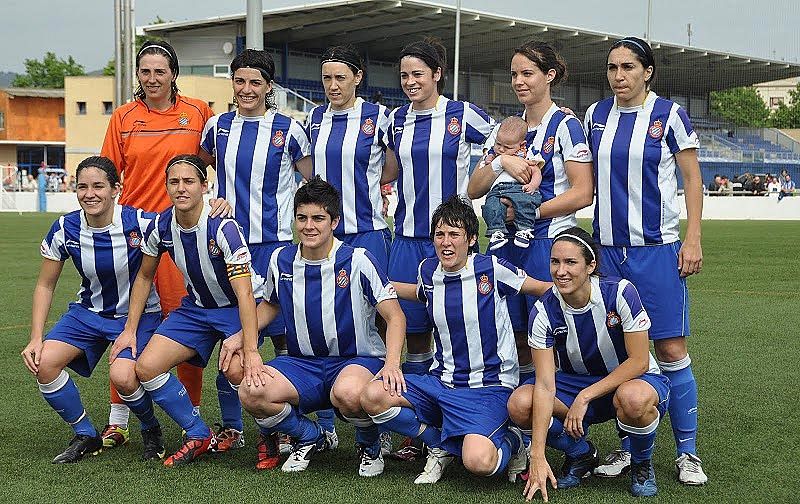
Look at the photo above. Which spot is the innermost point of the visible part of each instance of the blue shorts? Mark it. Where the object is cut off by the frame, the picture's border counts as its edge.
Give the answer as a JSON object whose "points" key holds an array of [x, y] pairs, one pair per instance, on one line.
{"points": [[459, 411], [200, 328], [313, 377], [405, 256], [600, 410], [653, 269], [261, 252], [377, 242], [91, 333]]}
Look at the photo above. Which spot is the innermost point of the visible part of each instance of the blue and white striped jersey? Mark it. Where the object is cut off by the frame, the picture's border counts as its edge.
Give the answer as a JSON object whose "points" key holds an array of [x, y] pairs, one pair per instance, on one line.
{"points": [[635, 171], [589, 340], [433, 154], [472, 330], [204, 254], [329, 305], [347, 150], [107, 259], [255, 159], [558, 138]]}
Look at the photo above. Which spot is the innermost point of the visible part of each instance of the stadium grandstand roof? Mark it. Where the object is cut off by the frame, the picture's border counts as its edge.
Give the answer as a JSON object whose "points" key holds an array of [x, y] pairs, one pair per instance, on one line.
{"points": [[34, 92], [383, 27]]}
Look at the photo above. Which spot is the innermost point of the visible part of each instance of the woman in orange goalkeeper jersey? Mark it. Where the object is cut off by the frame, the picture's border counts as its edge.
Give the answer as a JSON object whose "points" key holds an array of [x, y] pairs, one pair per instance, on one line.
{"points": [[141, 137]]}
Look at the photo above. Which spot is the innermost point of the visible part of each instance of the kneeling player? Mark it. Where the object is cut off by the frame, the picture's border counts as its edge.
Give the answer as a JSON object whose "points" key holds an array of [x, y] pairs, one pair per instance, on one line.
{"points": [[215, 262], [597, 328], [459, 407], [328, 294], [102, 239]]}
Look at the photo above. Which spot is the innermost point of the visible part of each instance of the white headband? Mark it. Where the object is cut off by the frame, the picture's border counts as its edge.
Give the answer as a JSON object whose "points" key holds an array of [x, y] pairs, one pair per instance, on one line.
{"points": [[155, 46], [578, 239]]}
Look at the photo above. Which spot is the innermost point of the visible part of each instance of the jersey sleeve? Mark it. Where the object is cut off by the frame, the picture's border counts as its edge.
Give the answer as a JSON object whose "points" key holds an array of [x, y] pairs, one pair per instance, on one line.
{"points": [[631, 311], [208, 139], [478, 124], [572, 139], [383, 125], [375, 285], [508, 278], [54, 244], [151, 245], [112, 144], [490, 140], [232, 243], [299, 144], [540, 335], [680, 133], [144, 219], [388, 135], [420, 284]]}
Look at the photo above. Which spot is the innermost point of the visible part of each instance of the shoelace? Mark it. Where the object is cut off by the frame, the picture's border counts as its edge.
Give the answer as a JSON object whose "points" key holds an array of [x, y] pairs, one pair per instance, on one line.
{"points": [[184, 450], [691, 465], [641, 472], [614, 457]]}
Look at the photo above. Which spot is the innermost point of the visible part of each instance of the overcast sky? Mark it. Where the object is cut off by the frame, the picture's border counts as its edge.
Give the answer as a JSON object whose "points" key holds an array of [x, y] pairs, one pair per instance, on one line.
{"points": [[84, 28]]}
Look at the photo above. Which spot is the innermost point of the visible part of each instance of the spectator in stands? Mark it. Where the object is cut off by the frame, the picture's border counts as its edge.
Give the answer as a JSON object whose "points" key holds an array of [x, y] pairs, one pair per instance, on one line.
{"points": [[716, 183], [29, 185], [757, 187], [725, 187], [377, 98], [787, 187], [774, 186]]}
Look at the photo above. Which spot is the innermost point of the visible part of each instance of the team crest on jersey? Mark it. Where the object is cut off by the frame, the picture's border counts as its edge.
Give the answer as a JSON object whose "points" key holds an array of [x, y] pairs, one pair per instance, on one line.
{"points": [[368, 127], [134, 240], [213, 248], [547, 148], [612, 319], [342, 280], [454, 128], [183, 119], [656, 130], [484, 286], [278, 140]]}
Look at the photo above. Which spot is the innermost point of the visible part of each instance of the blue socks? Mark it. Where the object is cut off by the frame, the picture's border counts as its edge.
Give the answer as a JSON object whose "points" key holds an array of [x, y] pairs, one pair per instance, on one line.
{"points": [[558, 439], [682, 404], [297, 426], [62, 395], [417, 364], [141, 404], [509, 447], [404, 421], [229, 406], [642, 440], [325, 419], [171, 396]]}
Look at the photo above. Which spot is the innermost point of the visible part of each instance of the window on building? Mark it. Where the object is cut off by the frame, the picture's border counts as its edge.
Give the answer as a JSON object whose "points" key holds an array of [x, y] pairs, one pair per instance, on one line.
{"points": [[2, 120], [775, 101], [108, 107], [211, 105], [221, 71], [201, 70], [61, 122], [81, 108]]}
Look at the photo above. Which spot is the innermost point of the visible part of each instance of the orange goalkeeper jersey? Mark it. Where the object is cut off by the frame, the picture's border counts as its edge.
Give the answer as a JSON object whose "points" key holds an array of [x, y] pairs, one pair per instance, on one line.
{"points": [[141, 141]]}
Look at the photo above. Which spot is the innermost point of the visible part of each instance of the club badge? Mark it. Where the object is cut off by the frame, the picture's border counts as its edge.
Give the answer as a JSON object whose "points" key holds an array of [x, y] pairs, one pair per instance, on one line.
{"points": [[547, 148], [612, 319], [183, 119], [368, 128], [484, 286], [213, 248], [656, 130], [278, 140], [342, 280], [454, 128], [134, 240]]}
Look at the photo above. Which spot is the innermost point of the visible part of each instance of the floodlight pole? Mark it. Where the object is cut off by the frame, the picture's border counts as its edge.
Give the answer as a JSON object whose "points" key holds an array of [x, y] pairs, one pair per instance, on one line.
{"points": [[254, 27], [649, 18], [458, 50], [130, 46], [118, 98]]}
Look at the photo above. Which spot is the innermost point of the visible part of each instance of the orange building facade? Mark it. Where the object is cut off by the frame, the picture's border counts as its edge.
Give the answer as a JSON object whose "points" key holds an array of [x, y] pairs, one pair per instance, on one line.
{"points": [[32, 128]]}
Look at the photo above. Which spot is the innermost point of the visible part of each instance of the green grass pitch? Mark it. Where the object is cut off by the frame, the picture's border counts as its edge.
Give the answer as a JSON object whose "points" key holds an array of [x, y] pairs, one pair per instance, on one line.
{"points": [[744, 347]]}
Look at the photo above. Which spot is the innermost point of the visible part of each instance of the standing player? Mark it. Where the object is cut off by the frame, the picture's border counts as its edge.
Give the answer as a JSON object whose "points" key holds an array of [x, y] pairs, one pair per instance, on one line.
{"points": [[566, 185], [102, 239], [329, 294], [215, 262], [596, 329], [141, 137], [459, 407], [430, 139], [639, 141], [256, 151]]}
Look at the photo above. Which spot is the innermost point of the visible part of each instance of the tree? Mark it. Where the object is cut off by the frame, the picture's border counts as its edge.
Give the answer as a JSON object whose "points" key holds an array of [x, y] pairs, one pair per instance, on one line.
{"points": [[48, 73], [111, 67], [788, 116], [741, 106]]}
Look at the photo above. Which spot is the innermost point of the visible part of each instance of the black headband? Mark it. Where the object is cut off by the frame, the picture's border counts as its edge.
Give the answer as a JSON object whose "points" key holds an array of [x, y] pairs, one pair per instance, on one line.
{"points": [[638, 48], [202, 171], [353, 66]]}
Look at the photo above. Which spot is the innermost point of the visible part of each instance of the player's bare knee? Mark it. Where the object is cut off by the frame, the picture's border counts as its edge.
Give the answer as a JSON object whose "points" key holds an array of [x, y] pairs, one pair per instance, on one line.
{"points": [[123, 376], [632, 400], [146, 369], [670, 349], [374, 399], [480, 462], [234, 374], [519, 406]]}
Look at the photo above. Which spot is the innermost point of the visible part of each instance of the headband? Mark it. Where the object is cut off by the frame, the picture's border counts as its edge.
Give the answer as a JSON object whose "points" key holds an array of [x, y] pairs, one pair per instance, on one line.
{"points": [[578, 239], [155, 46], [644, 52], [200, 171], [263, 72], [353, 66]]}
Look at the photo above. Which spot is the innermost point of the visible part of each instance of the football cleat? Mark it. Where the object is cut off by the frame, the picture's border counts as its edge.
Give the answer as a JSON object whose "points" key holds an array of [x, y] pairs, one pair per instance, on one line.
{"points": [[690, 470], [437, 461], [268, 452], [153, 442], [228, 438], [497, 240], [643, 479], [577, 468], [301, 454], [616, 463], [285, 444], [331, 440], [518, 463], [79, 446], [115, 435], [191, 450], [522, 238], [386, 443], [371, 464], [410, 449]]}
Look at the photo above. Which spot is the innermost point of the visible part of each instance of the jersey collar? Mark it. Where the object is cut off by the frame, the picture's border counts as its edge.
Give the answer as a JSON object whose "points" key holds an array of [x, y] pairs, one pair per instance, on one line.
{"points": [[595, 298]]}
